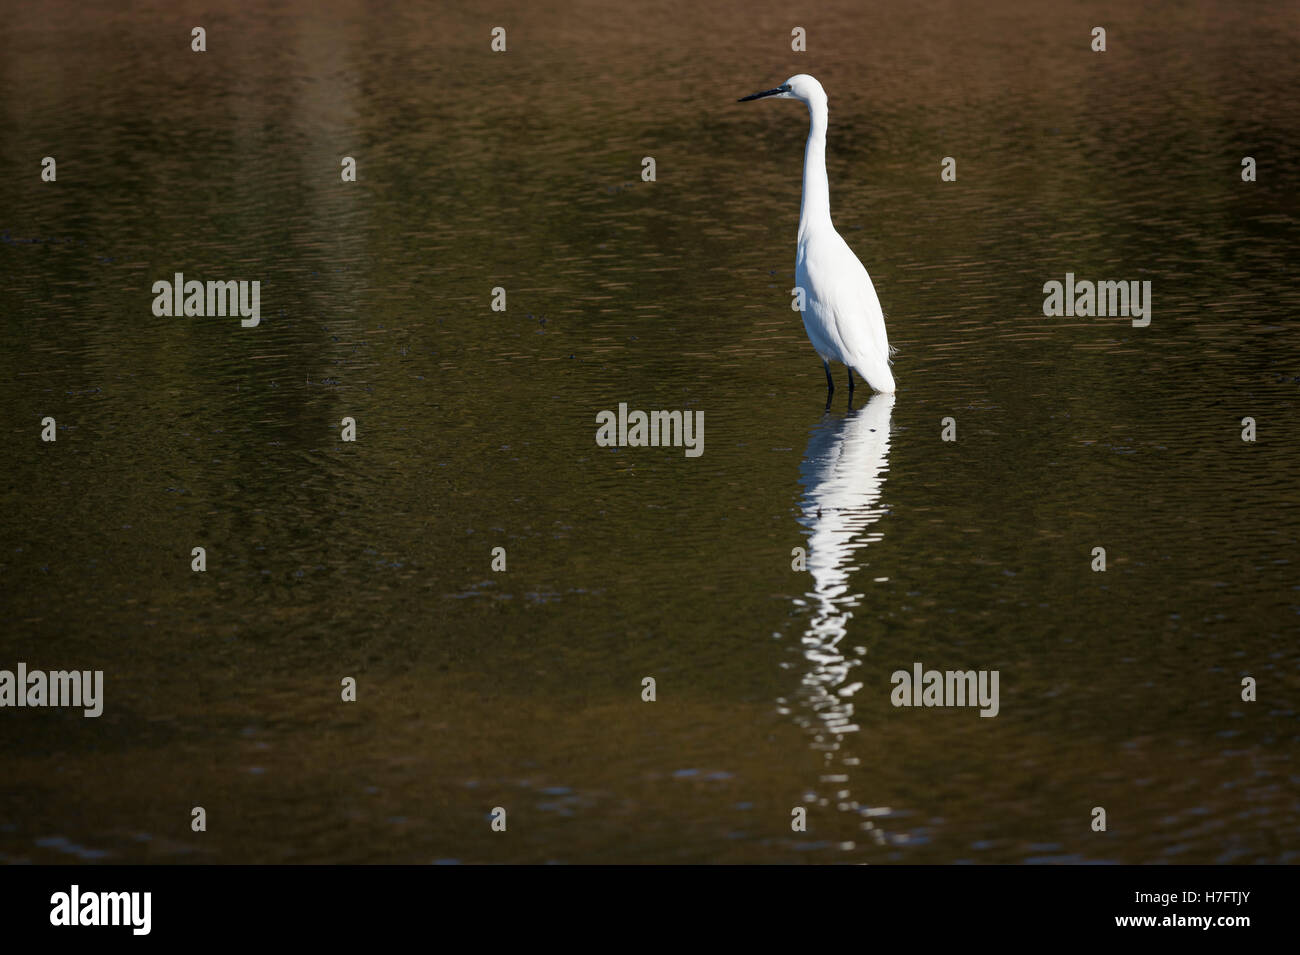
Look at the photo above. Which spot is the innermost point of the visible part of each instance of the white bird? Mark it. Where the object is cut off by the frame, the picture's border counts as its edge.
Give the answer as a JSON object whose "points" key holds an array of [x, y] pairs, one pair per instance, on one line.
{"points": [[841, 312]]}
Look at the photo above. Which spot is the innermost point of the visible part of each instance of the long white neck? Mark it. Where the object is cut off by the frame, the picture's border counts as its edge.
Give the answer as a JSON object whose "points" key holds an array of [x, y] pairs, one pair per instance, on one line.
{"points": [[816, 207]]}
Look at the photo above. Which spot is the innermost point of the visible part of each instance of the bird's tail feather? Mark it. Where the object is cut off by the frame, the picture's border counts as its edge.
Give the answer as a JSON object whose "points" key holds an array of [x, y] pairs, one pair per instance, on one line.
{"points": [[877, 375]]}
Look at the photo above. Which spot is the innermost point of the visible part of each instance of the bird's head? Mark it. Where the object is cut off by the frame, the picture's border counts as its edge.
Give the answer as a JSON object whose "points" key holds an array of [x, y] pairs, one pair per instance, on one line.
{"points": [[802, 87]]}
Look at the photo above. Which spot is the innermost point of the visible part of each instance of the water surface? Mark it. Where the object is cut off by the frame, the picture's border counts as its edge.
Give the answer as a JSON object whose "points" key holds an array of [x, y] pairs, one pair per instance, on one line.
{"points": [[476, 430]]}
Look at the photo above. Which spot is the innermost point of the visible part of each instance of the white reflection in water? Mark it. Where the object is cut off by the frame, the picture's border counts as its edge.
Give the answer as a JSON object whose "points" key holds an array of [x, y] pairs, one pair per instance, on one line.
{"points": [[842, 473]]}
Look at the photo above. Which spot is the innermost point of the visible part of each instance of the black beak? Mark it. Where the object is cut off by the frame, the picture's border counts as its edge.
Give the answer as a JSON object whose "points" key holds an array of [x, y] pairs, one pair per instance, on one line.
{"points": [[783, 88]]}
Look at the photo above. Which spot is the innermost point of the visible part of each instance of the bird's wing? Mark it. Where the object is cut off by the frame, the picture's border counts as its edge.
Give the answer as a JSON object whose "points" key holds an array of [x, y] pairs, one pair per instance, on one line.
{"points": [[860, 322]]}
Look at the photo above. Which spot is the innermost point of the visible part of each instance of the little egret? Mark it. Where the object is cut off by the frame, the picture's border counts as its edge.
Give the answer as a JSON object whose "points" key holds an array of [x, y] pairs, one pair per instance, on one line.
{"points": [[840, 310]]}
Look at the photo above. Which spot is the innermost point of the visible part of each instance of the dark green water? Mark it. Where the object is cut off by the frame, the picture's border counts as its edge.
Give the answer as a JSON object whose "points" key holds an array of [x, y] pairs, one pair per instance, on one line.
{"points": [[475, 430]]}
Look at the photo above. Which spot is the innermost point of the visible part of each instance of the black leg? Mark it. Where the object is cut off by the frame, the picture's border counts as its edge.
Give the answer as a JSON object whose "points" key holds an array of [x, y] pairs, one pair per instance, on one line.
{"points": [[830, 382], [850, 379]]}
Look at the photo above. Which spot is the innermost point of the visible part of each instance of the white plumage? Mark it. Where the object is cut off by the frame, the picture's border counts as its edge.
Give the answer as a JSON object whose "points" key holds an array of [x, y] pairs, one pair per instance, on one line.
{"points": [[841, 312]]}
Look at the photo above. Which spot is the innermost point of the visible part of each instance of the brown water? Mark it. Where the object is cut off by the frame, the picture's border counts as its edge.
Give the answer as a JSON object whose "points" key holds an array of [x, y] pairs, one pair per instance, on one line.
{"points": [[476, 430]]}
